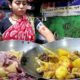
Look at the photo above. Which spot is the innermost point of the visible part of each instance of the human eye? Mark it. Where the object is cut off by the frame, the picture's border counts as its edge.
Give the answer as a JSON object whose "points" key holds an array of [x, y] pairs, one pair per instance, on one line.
{"points": [[24, 3], [18, 2]]}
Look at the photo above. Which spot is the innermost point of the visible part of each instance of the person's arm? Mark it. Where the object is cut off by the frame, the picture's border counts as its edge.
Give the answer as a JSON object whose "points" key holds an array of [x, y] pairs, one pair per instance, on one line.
{"points": [[44, 31]]}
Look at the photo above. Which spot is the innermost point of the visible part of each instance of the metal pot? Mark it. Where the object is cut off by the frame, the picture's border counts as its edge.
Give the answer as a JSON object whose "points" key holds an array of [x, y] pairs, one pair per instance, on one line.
{"points": [[18, 45], [29, 62]]}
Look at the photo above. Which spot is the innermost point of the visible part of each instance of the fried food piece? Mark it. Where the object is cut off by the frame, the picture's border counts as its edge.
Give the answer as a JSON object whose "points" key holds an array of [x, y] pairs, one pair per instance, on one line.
{"points": [[76, 72], [76, 63], [73, 57], [48, 74], [16, 54], [61, 72], [12, 67], [65, 61], [70, 76], [63, 52], [49, 57], [43, 65]]}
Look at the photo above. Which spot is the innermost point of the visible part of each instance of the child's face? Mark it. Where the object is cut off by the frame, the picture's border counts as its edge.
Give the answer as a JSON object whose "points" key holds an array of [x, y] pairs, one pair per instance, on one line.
{"points": [[19, 7]]}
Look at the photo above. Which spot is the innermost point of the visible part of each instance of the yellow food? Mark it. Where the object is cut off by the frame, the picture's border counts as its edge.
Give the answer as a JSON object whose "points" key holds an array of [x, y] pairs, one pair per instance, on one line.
{"points": [[48, 74], [76, 63], [17, 54], [12, 68], [61, 65], [3, 73], [61, 72], [63, 52], [65, 61]]}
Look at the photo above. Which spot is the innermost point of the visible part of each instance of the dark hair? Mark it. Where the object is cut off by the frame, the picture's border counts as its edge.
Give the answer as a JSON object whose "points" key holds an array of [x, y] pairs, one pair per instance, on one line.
{"points": [[10, 1]]}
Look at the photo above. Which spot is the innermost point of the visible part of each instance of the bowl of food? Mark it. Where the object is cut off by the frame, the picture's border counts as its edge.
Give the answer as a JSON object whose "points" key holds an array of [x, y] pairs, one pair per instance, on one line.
{"points": [[60, 61]]}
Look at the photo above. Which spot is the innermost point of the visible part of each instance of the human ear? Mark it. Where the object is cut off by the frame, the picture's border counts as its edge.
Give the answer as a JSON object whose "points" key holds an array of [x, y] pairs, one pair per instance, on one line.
{"points": [[9, 4]]}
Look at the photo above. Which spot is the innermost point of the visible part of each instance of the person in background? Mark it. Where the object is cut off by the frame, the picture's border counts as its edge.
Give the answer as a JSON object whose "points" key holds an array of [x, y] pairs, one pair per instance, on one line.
{"points": [[19, 26]]}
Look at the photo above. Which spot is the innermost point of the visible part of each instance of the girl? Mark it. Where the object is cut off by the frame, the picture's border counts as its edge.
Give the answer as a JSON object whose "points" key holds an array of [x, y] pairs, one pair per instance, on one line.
{"points": [[18, 25]]}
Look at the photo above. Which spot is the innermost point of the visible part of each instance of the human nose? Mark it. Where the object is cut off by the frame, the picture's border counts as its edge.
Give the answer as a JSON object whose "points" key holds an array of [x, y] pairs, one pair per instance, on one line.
{"points": [[21, 5]]}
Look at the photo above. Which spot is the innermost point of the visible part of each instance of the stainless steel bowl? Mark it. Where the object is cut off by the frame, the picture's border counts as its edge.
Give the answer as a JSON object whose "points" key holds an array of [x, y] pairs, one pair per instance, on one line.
{"points": [[18, 45], [29, 63]]}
